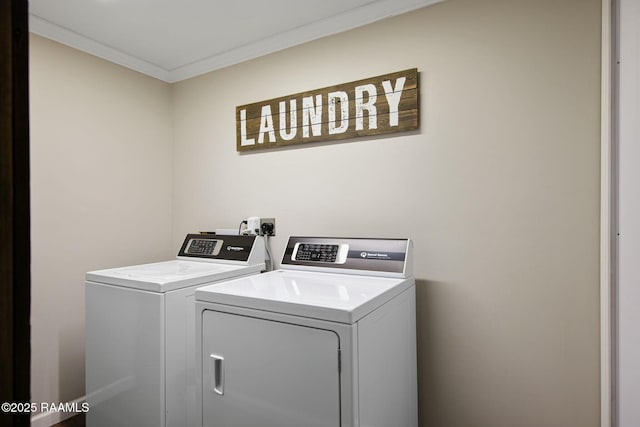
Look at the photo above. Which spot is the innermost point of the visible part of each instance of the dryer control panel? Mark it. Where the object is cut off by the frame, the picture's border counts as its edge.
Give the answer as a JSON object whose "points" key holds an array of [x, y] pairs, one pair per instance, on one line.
{"points": [[319, 252], [384, 257]]}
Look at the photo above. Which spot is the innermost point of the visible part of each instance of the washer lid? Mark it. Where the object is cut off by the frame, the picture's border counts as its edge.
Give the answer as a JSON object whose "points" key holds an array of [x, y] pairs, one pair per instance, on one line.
{"points": [[170, 275], [326, 296]]}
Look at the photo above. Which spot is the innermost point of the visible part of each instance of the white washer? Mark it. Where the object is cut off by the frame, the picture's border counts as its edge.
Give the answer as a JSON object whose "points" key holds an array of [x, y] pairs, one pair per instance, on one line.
{"points": [[329, 340], [140, 331]]}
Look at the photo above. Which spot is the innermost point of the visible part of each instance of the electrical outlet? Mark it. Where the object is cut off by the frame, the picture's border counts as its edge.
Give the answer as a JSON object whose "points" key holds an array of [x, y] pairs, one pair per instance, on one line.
{"points": [[253, 225], [267, 226]]}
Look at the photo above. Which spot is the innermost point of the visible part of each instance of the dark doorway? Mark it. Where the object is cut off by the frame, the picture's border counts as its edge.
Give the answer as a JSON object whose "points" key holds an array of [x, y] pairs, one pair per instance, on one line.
{"points": [[15, 277]]}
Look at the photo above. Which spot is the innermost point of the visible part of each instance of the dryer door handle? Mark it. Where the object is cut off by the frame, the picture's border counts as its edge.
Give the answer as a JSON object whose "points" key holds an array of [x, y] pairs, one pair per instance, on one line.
{"points": [[216, 371]]}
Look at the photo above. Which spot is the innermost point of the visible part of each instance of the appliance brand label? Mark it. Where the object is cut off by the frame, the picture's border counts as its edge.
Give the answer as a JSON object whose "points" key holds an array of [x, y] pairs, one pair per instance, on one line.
{"points": [[374, 255], [235, 248], [377, 255]]}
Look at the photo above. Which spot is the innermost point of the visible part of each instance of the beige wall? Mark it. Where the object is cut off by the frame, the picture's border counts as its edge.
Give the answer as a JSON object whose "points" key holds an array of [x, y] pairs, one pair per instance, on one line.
{"points": [[100, 195], [499, 189]]}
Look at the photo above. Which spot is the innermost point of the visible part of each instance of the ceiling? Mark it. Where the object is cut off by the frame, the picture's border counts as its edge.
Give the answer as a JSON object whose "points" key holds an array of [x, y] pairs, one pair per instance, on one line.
{"points": [[173, 40]]}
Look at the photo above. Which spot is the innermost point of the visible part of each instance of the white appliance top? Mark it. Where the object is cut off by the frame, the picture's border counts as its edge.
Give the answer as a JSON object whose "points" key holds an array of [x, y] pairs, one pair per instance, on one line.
{"points": [[170, 275], [334, 297]]}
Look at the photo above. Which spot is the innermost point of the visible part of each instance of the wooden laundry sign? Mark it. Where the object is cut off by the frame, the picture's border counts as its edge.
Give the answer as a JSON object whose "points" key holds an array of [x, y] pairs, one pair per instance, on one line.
{"points": [[372, 106]]}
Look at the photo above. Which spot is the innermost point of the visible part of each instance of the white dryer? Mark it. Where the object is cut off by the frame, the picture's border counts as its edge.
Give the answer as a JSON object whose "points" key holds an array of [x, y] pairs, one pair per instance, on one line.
{"points": [[140, 331], [328, 340]]}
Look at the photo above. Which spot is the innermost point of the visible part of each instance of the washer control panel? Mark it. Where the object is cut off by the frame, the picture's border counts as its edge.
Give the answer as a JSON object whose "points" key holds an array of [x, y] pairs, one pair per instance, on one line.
{"points": [[207, 246], [318, 252], [197, 246]]}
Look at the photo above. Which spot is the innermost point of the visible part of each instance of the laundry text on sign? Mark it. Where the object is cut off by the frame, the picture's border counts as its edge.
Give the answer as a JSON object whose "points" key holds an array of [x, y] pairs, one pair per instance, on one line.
{"points": [[373, 106]]}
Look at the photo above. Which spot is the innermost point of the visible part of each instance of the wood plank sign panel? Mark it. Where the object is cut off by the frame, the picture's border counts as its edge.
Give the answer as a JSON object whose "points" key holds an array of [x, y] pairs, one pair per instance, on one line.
{"points": [[373, 106]]}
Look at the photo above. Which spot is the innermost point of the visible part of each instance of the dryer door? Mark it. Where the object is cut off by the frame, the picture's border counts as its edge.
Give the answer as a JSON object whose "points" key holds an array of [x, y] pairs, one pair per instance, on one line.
{"points": [[264, 373]]}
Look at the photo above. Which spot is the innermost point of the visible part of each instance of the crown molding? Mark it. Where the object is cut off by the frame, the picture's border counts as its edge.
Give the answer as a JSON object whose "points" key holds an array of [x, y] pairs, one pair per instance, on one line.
{"points": [[67, 37], [369, 13]]}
